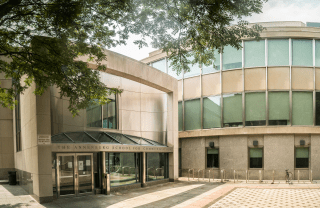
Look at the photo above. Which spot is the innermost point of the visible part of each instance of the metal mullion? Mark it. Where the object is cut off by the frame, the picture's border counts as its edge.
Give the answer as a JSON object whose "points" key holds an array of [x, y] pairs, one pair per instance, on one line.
{"points": [[267, 94], [75, 175], [68, 137], [221, 92], [182, 101], [243, 88], [290, 80], [146, 140], [91, 137], [102, 116], [130, 139], [201, 99], [314, 81], [112, 137]]}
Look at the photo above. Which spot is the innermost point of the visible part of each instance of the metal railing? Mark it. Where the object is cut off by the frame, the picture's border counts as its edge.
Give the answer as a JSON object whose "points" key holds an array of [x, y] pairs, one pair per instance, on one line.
{"points": [[248, 176]]}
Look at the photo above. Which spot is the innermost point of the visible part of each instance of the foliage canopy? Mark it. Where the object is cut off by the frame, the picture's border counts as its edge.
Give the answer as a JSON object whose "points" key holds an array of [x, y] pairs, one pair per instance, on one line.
{"points": [[40, 40]]}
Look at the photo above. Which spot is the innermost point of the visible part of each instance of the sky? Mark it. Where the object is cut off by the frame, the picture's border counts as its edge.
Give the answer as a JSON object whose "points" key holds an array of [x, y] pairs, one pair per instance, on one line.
{"points": [[273, 10]]}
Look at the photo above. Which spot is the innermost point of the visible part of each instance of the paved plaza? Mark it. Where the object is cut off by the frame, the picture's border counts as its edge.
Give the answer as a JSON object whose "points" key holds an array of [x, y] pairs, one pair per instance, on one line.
{"points": [[184, 193]]}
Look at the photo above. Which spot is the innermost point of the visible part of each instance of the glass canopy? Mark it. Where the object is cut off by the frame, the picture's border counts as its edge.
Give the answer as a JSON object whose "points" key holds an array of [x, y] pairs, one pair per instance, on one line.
{"points": [[102, 138]]}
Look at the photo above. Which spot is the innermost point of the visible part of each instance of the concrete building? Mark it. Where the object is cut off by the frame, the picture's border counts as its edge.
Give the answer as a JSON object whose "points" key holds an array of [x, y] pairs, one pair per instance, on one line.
{"points": [[134, 138], [255, 112]]}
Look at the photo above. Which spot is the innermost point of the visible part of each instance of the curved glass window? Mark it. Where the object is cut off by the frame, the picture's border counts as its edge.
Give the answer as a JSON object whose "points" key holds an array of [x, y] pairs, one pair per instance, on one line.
{"points": [[94, 113], [160, 65], [192, 113], [278, 52], [232, 110], [194, 69], [211, 112], [232, 58], [318, 108], [317, 53], [302, 111], [302, 52], [109, 114], [216, 68], [173, 73], [180, 112], [279, 108], [254, 53], [256, 109]]}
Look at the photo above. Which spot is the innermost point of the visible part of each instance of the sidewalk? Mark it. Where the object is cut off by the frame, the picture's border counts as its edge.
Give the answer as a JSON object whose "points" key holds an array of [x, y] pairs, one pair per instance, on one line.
{"points": [[183, 193]]}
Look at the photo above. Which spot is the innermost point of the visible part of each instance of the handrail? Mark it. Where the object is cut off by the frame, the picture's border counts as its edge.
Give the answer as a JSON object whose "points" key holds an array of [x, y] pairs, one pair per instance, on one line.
{"points": [[198, 173]]}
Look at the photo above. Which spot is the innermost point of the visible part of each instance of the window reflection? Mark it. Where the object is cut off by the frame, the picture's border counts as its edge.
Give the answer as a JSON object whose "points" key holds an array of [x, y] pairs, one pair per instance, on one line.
{"points": [[232, 110], [157, 166], [232, 58]]}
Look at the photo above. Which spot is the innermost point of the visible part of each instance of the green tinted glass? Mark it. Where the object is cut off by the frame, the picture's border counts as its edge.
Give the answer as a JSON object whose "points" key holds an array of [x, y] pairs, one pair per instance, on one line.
{"points": [[317, 53], [279, 108], [194, 69], [211, 112], [180, 116], [302, 111], [232, 58], [255, 152], [254, 53], [302, 52], [302, 152], [192, 114], [160, 65], [213, 151], [232, 110], [216, 63], [255, 109], [278, 52]]}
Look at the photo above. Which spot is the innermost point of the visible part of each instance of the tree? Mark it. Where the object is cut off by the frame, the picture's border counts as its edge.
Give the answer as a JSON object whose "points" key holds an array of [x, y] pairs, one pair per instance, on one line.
{"points": [[41, 39]]}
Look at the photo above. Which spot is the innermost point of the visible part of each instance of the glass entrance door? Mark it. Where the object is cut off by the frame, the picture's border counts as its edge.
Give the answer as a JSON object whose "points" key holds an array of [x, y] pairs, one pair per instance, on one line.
{"points": [[75, 173]]}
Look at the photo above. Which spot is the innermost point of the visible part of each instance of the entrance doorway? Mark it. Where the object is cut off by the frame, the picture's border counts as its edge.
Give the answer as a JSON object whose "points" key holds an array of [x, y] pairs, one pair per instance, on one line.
{"points": [[74, 173]]}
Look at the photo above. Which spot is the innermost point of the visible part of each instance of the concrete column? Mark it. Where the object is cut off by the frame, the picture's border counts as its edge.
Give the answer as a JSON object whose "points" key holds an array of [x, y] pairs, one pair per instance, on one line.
{"points": [[144, 170]]}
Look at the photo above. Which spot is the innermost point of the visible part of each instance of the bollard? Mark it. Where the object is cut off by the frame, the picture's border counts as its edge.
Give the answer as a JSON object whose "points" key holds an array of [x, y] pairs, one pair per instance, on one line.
{"points": [[221, 176], [234, 176], [193, 173], [212, 175], [273, 176], [259, 175], [203, 173], [246, 176], [209, 175], [106, 184], [311, 176], [298, 176]]}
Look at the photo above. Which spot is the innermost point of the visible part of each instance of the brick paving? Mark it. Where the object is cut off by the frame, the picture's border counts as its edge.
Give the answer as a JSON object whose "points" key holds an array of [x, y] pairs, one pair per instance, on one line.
{"points": [[182, 194]]}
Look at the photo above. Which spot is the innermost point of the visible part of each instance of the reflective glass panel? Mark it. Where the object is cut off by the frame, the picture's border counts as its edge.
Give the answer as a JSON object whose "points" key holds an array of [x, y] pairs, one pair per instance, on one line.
{"points": [[317, 54], [173, 73], [66, 175], [232, 58], [94, 116], [157, 166], [255, 109], [80, 137], [121, 138], [160, 65], [109, 114], [302, 157], [232, 110], [211, 112], [194, 69], [85, 173], [279, 108], [180, 112], [192, 113], [278, 52], [255, 157], [123, 168], [215, 67], [254, 53], [212, 158], [317, 108], [302, 111], [302, 52]]}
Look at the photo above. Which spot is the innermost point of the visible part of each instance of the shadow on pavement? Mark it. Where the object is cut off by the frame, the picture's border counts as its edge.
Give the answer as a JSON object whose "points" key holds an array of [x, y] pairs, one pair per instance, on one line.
{"points": [[15, 190]]}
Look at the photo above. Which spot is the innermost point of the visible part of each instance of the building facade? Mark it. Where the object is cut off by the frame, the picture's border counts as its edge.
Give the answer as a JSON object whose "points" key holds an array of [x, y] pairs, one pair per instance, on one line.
{"points": [[255, 112], [134, 138]]}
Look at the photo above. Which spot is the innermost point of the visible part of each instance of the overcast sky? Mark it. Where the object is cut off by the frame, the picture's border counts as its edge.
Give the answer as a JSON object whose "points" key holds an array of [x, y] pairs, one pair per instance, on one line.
{"points": [[273, 10]]}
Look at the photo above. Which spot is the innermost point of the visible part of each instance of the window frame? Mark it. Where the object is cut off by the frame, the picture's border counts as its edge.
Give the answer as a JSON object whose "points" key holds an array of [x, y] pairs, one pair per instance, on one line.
{"points": [[206, 158], [18, 131], [256, 147], [295, 161], [101, 106]]}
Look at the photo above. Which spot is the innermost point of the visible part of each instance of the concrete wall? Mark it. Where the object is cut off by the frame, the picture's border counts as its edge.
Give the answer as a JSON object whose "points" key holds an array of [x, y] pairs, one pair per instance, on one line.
{"points": [[6, 135], [278, 155], [142, 111]]}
